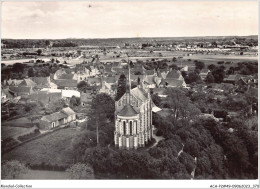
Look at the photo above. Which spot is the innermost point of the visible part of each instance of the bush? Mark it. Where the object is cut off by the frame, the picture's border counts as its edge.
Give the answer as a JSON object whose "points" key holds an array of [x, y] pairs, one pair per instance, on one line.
{"points": [[30, 135]]}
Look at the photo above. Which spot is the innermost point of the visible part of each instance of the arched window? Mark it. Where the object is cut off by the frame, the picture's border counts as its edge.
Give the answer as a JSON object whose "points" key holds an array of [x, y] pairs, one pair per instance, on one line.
{"points": [[124, 128], [131, 127]]}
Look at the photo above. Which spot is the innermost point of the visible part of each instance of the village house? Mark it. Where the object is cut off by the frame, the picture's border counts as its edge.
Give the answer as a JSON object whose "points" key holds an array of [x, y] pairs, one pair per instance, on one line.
{"points": [[20, 90], [28, 83], [44, 97], [85, 98], [109, 85], [65, 116], [12, 82], [203, 73], [43, 82], [66, 84], [173, 79], [64, 74], [173, 83], [94, 81], [233, 78]]}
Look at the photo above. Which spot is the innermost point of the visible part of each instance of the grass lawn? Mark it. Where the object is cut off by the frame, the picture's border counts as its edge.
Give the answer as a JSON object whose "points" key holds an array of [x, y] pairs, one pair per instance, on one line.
{"points": [[54, 148], [20, 122], [13, 132]]}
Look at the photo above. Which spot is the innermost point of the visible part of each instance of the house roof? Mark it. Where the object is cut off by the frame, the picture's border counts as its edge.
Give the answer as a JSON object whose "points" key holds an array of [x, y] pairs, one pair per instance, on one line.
{"points": [[13, 82], [173, 74], [110, 79], [65, 83], [41, 80], [139, 93], [84, 97], [54, 117], [93, 80], [60, 72], [135, 77], [107, 68], [149, 72], [173, 82], [44, 96], [7, 93], [20, 89], [159, 91], [66, 76], [120, 70], [28, 82], [149, 79], [232, 77], [68, 111], [116, 64], [128, 110], [204, 71]]}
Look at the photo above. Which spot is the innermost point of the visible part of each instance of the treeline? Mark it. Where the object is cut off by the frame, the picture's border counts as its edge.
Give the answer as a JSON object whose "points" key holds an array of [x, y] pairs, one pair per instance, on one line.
{"points": [[190, 144], [26, 43], [21, 71]]}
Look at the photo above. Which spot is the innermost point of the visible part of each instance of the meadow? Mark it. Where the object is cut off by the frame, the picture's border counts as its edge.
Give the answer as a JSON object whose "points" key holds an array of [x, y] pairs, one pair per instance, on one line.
{"points": [[51, 149]]}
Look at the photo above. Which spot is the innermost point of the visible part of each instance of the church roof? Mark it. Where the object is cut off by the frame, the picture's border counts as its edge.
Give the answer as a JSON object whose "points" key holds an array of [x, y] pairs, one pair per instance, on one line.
{"points": [[139, 93], [128, 110]]}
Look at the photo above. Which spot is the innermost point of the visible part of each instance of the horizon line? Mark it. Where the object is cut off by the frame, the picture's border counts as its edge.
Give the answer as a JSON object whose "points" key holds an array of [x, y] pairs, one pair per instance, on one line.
{"points": [[129, 37]]}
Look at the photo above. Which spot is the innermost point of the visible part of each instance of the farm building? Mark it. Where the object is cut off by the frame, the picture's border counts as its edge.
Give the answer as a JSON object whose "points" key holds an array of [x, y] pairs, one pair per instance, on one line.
{"points": [[66, 115]]}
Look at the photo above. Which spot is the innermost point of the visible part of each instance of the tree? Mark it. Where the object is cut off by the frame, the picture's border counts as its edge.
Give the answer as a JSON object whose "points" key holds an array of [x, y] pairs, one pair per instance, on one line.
{"points": [[102, 110], [199, 65], [18, 67], [121, 88], [47, 43], [82, 86], [74, 101], [192, 77], [180, 104], [30, 72], [214, 44], [12, 169], [218, 74], [80, 171], [210, 78], [211, 67], [138, 80], [174, 59], [174, 67], [39, 52]]}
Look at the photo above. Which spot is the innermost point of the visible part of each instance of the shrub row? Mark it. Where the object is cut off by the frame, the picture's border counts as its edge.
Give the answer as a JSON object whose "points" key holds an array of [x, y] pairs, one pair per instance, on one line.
{"points": [[30, 135]]}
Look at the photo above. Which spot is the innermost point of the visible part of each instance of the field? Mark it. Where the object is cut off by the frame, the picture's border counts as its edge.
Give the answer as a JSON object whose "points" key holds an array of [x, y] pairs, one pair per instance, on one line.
{"points": [[14, 132], [53, 149], [20, 122]]}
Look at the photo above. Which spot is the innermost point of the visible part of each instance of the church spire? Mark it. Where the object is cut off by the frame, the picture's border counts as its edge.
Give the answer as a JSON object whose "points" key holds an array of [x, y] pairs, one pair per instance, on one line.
{"points": [[129, 78]]}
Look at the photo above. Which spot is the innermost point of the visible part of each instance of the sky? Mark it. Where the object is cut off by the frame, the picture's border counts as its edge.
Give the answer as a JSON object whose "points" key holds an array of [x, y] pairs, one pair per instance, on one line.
{"points": [[114, 19]]}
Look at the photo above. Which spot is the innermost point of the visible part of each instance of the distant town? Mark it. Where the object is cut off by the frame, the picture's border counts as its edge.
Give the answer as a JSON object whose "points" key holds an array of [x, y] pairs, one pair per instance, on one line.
{"points": [[130, 108]]}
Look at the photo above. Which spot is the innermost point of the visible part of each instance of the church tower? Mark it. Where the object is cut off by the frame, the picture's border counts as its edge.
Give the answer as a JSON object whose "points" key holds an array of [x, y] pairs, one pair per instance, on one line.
{"points": [[133, 118]]}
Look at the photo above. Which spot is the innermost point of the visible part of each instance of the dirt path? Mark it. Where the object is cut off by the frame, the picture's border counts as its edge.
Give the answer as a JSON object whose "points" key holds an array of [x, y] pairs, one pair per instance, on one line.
{"points": [[180, 151], [193, 172]]}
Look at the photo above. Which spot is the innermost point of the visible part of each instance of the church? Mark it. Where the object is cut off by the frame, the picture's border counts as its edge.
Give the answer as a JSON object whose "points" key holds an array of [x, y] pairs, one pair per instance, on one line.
{"points": [[133, 118]]}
